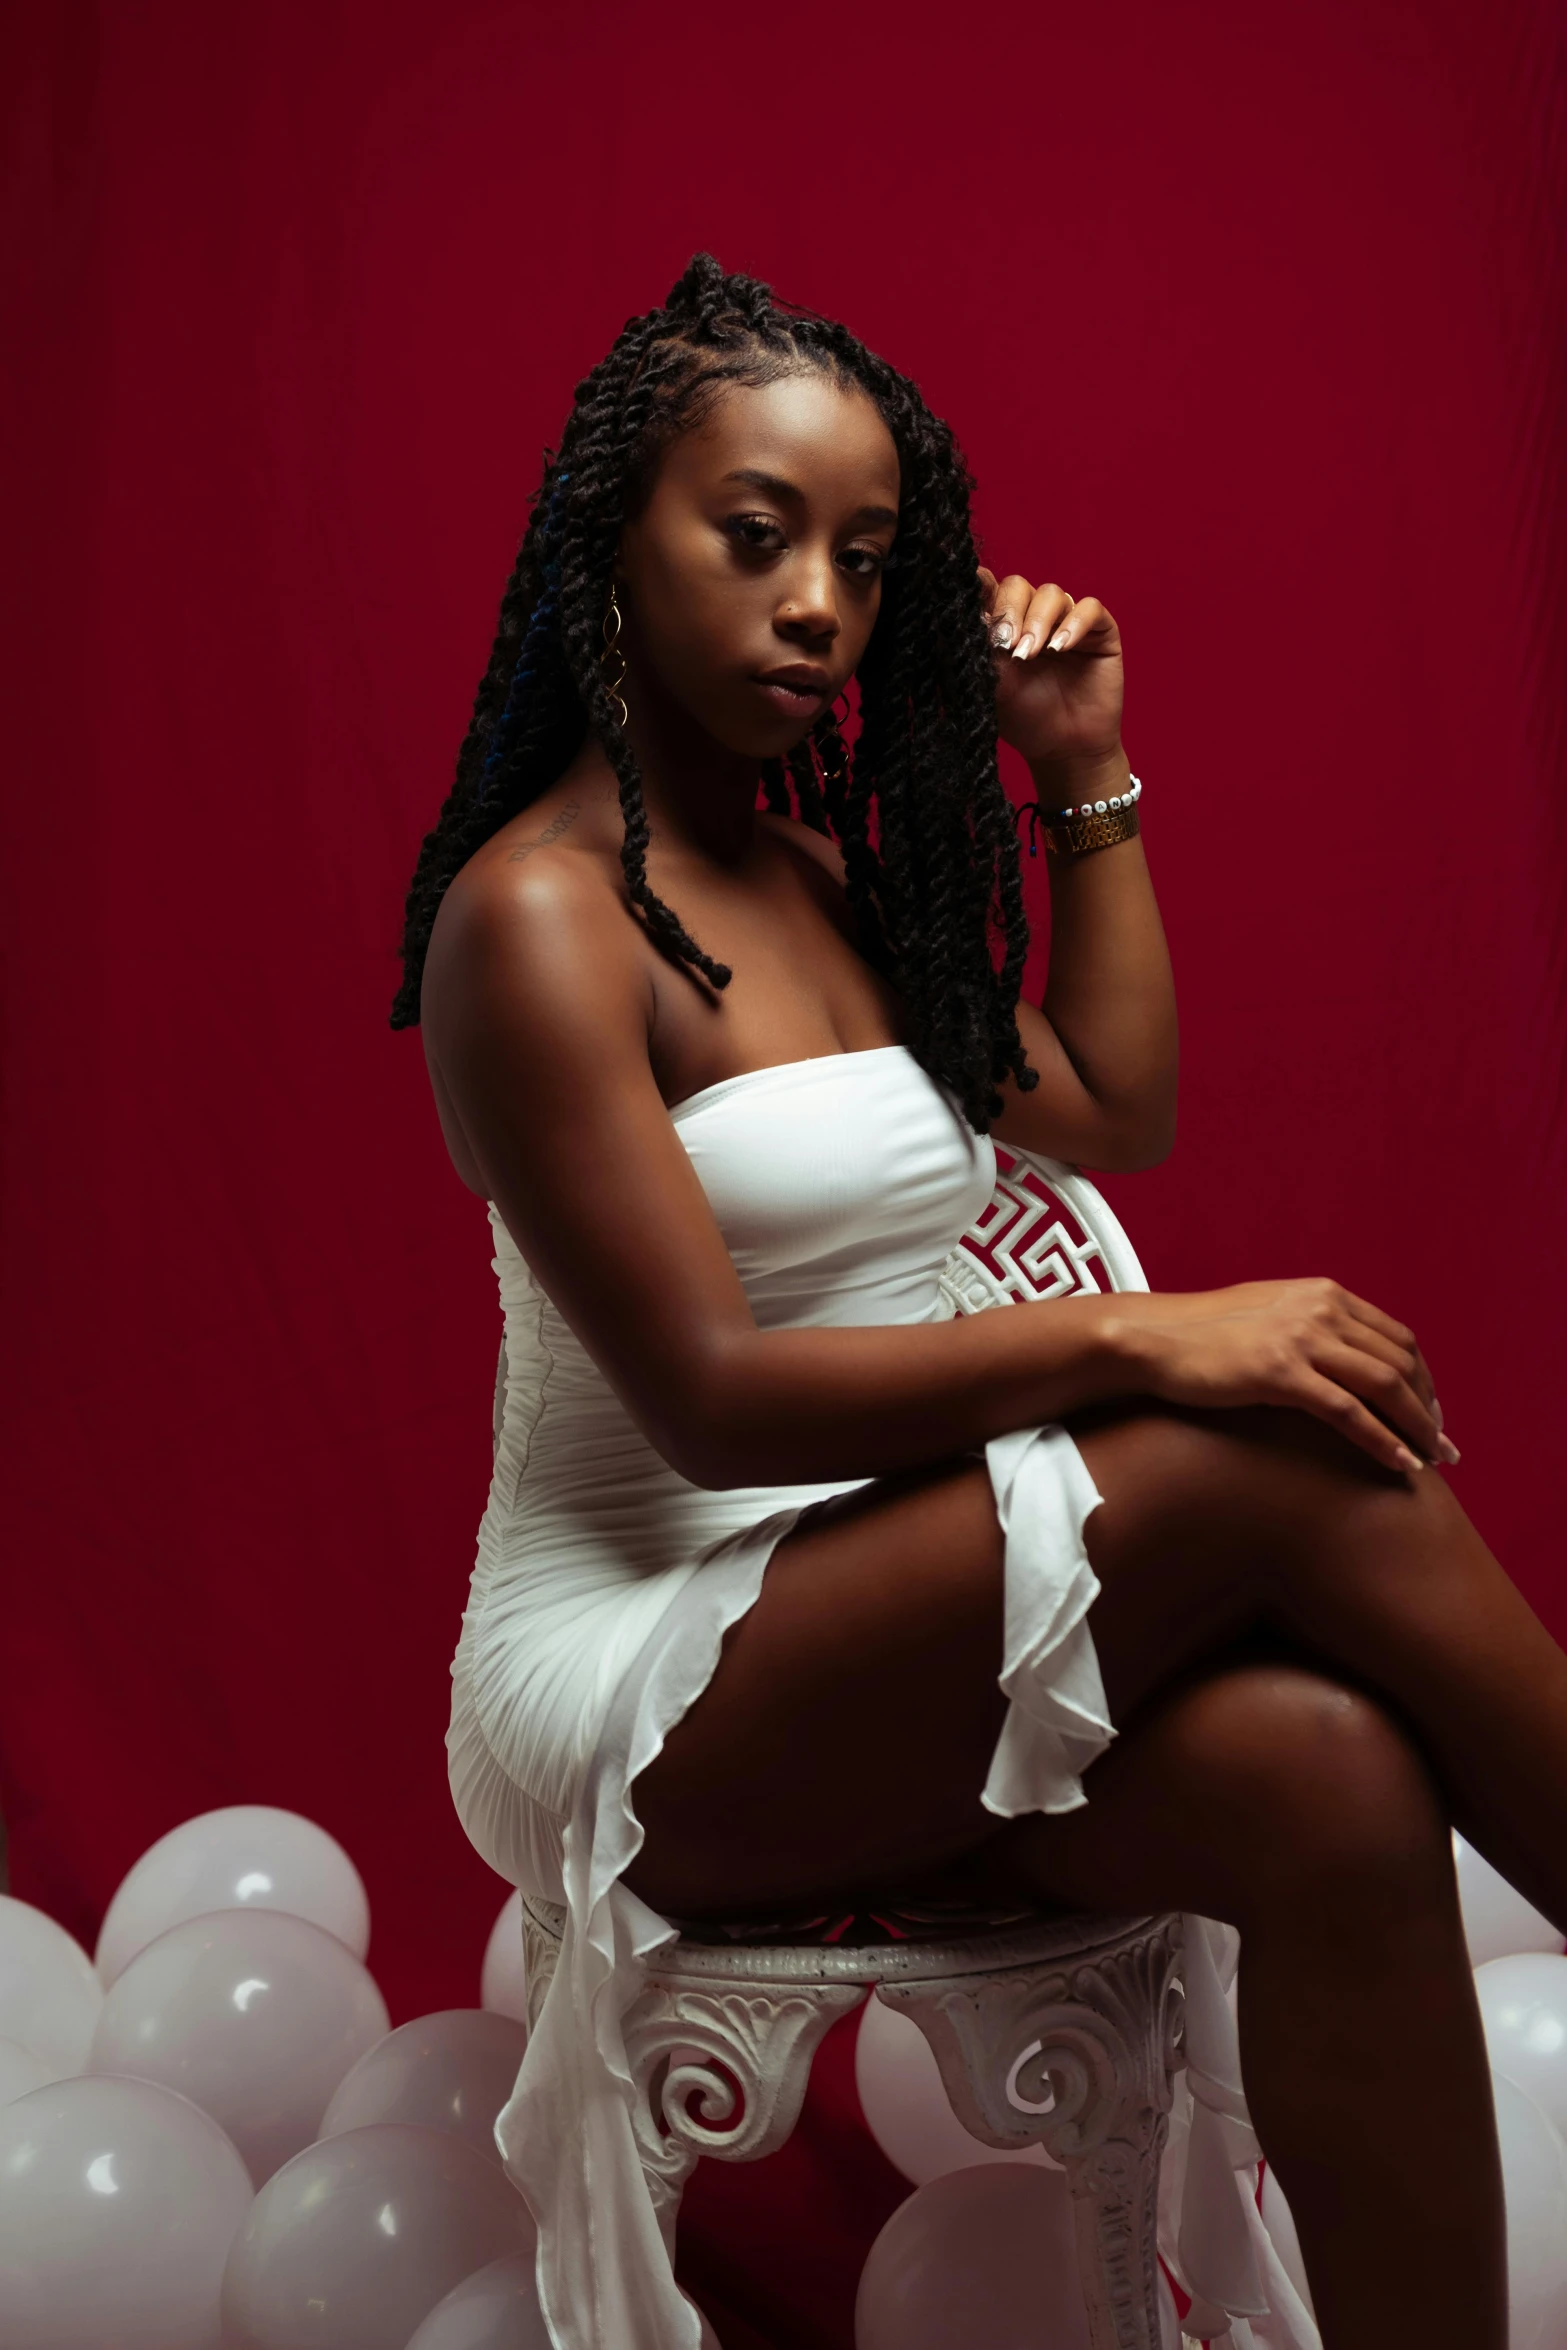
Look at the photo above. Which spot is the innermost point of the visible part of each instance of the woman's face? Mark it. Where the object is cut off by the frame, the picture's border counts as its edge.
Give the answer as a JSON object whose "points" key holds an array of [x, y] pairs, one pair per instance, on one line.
{"points": [[751, 579]]}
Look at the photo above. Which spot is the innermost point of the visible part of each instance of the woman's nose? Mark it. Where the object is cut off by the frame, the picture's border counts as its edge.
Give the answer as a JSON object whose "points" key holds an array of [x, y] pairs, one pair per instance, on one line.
{"points": [[810, 605]]}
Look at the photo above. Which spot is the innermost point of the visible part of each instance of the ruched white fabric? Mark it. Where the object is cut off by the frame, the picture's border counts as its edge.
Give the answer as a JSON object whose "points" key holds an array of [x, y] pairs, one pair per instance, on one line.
{"points": [[605, 1582]]}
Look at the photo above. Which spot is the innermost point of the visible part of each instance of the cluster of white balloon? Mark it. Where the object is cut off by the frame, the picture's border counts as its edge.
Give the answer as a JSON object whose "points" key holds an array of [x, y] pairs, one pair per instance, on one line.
{"points": [[984, 2250], [210, 2140]]}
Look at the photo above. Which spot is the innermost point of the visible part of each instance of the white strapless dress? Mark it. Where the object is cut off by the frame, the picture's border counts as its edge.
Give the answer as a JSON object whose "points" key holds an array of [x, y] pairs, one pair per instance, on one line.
{"points": [[605, 1582]]}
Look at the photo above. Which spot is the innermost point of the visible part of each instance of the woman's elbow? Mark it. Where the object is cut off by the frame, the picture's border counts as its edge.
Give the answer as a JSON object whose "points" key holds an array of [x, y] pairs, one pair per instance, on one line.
{"points": [[696, 1437], [703, 1464], [686, 1446], [704, 1459], [1157, 1145], [1146, 1143]]}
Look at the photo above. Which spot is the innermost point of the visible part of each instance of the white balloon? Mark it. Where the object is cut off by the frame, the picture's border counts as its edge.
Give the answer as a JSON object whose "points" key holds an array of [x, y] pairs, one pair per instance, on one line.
{"points": [[246, 1856], [353, 2243], [119, 2205], [978, 2256], [905, 2105], [453, 2070], [1523, 2005], [1279, 2221], [252, 2014], [49, 1994], [1534, 2175], [503, 1980], [497, 2308], [21, 2071], [1498, 1923]]}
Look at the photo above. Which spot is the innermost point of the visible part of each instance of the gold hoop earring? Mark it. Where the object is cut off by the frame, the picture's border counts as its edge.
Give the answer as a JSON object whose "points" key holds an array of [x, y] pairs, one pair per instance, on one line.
{"points": [[612, 649]]}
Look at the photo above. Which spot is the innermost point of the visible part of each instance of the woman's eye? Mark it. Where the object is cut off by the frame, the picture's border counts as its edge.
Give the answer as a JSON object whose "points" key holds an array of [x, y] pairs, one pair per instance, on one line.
{"points": [[761, 535], [755, 530]]}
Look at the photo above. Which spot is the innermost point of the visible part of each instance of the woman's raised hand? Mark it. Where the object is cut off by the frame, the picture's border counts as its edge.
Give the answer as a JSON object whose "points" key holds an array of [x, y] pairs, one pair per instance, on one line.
{"points": [[1058, 673], [1310, 1344]]}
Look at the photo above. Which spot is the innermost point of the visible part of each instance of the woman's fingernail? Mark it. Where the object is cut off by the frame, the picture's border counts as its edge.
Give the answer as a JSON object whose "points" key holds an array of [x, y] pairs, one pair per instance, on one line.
{"points": [[1001, 635], [1436, 1411], [1058, 641], [1447, 1450], [1022, 649], [1407, 1460]]}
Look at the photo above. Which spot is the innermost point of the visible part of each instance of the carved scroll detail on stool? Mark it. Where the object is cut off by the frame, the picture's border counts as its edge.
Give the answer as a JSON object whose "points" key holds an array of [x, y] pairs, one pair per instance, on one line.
{"points": [[1078, 2059], [758, 2041], [1054, 2054]]}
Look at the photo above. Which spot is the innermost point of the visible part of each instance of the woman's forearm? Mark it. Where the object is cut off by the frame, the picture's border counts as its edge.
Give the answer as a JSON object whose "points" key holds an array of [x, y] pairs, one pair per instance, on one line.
{"points": [[789, 1407], [1111, 997]]}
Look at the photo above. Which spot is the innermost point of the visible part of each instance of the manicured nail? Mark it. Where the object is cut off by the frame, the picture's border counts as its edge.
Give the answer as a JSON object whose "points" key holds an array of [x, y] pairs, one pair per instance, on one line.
{"points": [[1001, 635], [1447, 1450], [1436, 1411], [1058, 641], [1022, 649], [1407, 1460]]}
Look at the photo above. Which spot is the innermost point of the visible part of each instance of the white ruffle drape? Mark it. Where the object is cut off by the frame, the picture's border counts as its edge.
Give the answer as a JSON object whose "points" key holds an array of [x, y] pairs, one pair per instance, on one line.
{"points": [[1211, 2236]]}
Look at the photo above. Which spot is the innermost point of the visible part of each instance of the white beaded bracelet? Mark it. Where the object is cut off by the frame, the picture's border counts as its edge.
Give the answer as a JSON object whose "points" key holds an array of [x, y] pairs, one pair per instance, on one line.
{"points": [[1101, 807], [1075, 832]]}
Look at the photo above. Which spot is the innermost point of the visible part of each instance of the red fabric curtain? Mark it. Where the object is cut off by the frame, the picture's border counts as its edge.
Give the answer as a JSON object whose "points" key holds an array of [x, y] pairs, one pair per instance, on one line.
{"points": [[1250, 319]]}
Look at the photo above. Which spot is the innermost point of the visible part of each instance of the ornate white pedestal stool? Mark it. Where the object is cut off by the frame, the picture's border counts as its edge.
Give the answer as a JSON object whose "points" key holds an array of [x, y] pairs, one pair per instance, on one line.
{"points": [[1060, 2031]]}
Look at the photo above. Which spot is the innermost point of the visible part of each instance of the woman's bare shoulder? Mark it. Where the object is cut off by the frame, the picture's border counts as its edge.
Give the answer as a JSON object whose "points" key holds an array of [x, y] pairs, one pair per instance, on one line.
{"points": [[529, 978], [540, 907], [532, 967]]}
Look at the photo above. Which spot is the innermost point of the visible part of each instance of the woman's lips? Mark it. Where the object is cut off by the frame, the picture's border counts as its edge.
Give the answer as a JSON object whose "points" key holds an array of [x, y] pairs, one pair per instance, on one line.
{"points": [[795, 699]]}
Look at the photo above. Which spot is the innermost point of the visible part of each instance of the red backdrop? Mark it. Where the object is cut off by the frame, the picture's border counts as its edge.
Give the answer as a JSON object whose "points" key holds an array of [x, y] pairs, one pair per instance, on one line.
{"points": [[1251, 320]]}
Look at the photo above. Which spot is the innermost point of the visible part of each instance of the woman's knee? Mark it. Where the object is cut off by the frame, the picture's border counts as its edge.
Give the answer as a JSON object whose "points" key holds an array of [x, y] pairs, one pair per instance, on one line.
{"points": [[1242, 1502], [1317, 1791]]}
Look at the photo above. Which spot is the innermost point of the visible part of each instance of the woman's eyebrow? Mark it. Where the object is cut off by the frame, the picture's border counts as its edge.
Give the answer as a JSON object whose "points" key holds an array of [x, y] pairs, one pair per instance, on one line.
{"points": [[774, 485]]}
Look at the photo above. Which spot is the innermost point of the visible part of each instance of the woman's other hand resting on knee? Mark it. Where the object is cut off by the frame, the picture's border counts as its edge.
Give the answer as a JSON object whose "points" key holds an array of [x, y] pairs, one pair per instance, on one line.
{"points": [[1309, 1343]]}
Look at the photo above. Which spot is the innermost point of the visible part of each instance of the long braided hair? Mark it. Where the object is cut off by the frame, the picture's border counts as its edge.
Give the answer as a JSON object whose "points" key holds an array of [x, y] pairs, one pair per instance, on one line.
{"points": [[927, 834]]}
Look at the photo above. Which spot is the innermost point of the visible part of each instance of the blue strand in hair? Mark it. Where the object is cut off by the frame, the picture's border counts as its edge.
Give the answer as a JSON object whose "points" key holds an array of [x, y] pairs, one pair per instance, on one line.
{"points": [[540, 634]]}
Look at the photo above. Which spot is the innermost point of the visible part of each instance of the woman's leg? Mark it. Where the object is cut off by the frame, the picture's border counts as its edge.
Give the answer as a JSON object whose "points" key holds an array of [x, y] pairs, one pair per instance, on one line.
{"points": [[1296, 1808], [850, 1724], [1216, 1522]]}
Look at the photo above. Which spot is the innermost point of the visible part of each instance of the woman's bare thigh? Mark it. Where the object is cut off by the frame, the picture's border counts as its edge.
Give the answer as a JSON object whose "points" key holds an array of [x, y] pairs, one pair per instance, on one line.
{"points": [[848, 1729]]}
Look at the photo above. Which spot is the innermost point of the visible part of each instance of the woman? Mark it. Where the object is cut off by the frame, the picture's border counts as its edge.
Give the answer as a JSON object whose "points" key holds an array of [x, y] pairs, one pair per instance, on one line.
{"points": [[728, 1080]]}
